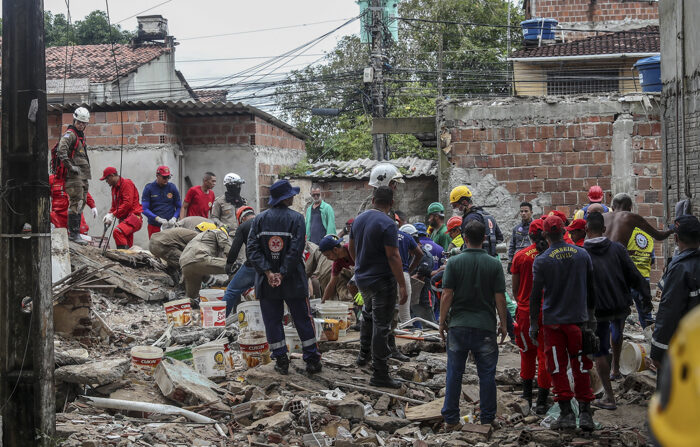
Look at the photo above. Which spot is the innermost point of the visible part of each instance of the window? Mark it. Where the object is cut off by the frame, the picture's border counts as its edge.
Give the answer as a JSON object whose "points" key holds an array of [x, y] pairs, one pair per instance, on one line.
{"points": [[573, 82]]}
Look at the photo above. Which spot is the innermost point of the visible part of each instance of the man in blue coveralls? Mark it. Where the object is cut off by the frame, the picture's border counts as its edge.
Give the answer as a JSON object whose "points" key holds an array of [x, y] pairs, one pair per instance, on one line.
{"points": [[275, 248], [161, 202]]}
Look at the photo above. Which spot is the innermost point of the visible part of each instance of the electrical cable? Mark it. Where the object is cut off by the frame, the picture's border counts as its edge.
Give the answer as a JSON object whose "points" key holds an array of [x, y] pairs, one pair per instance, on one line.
{"points": [[141, 12], [301, 25]]}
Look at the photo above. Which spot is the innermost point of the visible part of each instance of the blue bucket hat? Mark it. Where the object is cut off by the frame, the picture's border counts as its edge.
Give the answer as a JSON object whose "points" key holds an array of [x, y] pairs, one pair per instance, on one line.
{"points": [[421, 229], [329, 242], [281, 190]]}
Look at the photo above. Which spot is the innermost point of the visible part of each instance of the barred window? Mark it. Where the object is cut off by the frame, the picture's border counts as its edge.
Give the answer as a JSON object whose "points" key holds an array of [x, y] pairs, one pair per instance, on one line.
{"points": [[572, 82]]}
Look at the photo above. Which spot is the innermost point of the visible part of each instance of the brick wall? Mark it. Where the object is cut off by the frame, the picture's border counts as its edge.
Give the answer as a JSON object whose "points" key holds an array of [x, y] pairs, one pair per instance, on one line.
{"points": [[578, 11]]}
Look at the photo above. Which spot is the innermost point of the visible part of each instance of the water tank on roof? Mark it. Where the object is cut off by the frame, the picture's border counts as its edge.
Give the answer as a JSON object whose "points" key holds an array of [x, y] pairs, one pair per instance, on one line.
{"points": [[539, 28], [649, 73]]}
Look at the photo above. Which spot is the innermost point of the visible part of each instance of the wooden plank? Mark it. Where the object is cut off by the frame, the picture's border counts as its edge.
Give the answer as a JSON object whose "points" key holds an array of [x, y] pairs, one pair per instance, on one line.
{"points": [[426, 412], [420, 125]]}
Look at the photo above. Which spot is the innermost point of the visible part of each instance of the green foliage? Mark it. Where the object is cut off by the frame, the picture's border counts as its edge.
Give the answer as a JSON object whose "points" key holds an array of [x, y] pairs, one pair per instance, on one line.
{"points": [[296, 170], [92, 30]]}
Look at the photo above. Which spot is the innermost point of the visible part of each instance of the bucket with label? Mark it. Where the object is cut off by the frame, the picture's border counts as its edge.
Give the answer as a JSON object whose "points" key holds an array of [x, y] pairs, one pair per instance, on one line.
{"points": [[318, 328], [211, 295], [178, 312], [250, 316], [254, 350], [212, 359], [336, 310], [145, 358], [632, 357], [179, 353], [292, 339], [331, 327], [213, 313]]}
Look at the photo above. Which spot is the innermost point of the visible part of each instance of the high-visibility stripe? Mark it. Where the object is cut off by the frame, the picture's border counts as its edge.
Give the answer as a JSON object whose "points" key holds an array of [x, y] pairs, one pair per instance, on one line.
{"points": [[522, 337], [309, 342], [694, 293], [580, 363], [556, 361], [278, 345], [274, 233], [658, 344]]}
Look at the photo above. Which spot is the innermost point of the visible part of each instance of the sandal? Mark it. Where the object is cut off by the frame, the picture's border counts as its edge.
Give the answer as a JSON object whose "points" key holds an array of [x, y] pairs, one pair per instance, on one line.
{"points": [[604, 405]]}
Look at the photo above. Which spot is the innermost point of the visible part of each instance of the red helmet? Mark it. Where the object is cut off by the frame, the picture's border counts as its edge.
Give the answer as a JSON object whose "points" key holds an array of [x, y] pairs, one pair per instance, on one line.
{"points": [[243, 211], [595, 194], [454, 222]]}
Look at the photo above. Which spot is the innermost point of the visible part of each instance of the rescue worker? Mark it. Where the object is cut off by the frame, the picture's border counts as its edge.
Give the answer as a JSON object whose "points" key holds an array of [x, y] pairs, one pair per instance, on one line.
{"points": [[462, 201], [454, 229], [204, 255], [223, 212], [382, 174], [562, 216], [562, 289], [199, 199], [680, 286], [346, 229], [72, 154], [320, 217], [436, 225], [168, 245], [275, 248], [519, 238], [192, 222], [125, 207], [595, 196], [577, 231], [531, 354], [421, 305], [243, 273], [334, 250], [59, 205], [160, 201], [318, 270]]}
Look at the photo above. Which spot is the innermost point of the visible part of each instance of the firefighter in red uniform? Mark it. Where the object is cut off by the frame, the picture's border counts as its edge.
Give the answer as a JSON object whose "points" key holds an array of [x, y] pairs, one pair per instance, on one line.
{"points": [[59, 205], [125, 207]]}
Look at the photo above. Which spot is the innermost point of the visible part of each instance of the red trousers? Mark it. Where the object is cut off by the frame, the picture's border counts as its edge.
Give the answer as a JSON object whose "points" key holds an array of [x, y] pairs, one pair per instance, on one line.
{"points": [[59, 219], [563, 345], [124, 232], [529, 353], [152, 229]]}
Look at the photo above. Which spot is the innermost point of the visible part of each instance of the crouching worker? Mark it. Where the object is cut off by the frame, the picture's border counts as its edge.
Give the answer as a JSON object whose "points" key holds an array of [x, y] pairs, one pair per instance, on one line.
{"points": [[204, 255], [125, 207]]}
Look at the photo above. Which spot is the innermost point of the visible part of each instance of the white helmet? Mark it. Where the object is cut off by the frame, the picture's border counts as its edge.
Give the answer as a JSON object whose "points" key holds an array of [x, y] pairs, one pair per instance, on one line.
{"points": [[232, 178], [82, 114], [383, 174], [408, 229]]}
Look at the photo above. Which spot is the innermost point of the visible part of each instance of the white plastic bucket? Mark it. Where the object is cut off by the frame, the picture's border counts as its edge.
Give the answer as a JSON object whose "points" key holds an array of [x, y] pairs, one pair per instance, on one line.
{"points": [[632, 358], [145, 358], [211, 295], [254, 350], [292, 339], [213, 313], [318, 327], [336, 310], [212, 359], [250, 316], [178, 312]]}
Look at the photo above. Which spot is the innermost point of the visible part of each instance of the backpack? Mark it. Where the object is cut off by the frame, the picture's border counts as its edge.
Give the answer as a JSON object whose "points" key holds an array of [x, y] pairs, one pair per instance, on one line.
{"points": [[491, 243], [57, 168]]}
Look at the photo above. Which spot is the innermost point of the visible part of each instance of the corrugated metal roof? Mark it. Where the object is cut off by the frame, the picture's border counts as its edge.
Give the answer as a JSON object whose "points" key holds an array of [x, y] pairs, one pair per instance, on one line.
{"points": [[359, 169], [184, 109]]}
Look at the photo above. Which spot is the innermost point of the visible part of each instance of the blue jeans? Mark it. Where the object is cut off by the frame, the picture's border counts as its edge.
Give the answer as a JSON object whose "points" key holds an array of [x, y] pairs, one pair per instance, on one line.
{"points": [[460, 341], [243, 280], [644, 319]]}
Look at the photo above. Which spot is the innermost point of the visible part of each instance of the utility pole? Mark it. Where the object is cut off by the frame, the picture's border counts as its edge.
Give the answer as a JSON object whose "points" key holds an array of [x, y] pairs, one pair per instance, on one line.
{"points": [[377, 89], [27, 395]]}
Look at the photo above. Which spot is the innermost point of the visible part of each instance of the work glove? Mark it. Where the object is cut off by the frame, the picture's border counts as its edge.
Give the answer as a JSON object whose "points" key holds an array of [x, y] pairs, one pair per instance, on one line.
{"points": [[232, 268], [108, 219], [161, 221], [94, 213], [74, 169], [534, 331], [172, 221]]}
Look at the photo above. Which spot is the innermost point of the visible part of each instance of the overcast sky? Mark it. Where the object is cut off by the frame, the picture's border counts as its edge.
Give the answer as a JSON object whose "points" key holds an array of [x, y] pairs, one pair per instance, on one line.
{"points": [[189, 21]]}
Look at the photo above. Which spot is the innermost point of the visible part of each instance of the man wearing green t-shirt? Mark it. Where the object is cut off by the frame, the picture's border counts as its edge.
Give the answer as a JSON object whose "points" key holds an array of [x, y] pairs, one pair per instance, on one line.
{"points": [[437, 228], [473, 288]]}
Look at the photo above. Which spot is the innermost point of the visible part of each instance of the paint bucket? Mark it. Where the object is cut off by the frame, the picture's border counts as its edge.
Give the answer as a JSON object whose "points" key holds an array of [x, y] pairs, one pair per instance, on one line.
{"points": [[318, 328], [254, 350], [211, 295], [182, 354], [596, 384], [314, 304], [250, 316], [336, 310], [213, 313], [145, 358], [331, 328], [292, 339], [178, 312], [212, 359], [649, 332], [632, 358]]}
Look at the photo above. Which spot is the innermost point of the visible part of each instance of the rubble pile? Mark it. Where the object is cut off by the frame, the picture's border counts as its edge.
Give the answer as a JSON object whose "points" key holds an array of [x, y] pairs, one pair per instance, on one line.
{"points": [[102, 399]]}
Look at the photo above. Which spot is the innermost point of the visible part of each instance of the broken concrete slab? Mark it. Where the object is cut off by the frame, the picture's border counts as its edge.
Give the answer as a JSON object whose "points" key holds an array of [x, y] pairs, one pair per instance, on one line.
{"points": [[426, 412], [182, 384], [386, 423], [93, 373], [71, 317], [277, 422], [60, 254], [348, 408]]}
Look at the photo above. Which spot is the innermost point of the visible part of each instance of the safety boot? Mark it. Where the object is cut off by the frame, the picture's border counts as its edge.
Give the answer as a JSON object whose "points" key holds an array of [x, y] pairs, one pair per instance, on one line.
{"points": [[541, 406], [384, 380], [122, 247], [282, 364], [527, 391], [313, 366], [395, 353], [585, 421], [74, 229], [567, 419], [362, 358]]}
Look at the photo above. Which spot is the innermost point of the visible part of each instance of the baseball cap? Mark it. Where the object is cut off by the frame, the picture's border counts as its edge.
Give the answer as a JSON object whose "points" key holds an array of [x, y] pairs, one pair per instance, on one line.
{"points": [[560, 215], [553, 224], [687, 225], [577, 224], [350, 221], [109, 170], [329, 242], [421, 229], [163, 170], [536, 225]]}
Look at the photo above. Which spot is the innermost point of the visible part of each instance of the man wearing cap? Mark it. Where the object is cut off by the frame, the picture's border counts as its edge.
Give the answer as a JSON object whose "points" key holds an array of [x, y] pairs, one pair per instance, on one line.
{"points": [[320, 218], [595, 195], [680, 286], [161, 202], [436, 225], [203, 256], [454, 229], [346, 229], [577, 231], [562, 290], [223, 212], [565, 220], [244, 277], [342, 269], [429, 245], [199, 199], [125, 207], [461, 200], [168, 245], [519, 238], [275, 248]]}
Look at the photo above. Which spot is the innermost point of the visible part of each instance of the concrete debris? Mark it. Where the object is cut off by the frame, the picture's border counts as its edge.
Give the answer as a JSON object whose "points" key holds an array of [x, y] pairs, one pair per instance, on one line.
{"points": [[93, 373]]}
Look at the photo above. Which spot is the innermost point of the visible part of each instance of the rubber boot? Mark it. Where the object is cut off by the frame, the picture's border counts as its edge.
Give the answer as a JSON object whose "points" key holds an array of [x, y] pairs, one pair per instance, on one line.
{"points": [[527, 391], [567, 419], [74, 229], [585, 421], [395, 353], [313, 366], [362, 358], [541, 406], [282, 364]]}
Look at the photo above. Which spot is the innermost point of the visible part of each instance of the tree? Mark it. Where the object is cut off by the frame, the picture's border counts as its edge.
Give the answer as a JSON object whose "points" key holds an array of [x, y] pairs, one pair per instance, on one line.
{"points": [[92, 30]]}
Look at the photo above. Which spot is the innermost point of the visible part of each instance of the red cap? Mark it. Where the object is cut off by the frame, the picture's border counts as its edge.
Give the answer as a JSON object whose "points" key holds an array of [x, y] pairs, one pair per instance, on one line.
{"points": [[535, 225], [107, 172], [577, 224], [163, 170], [595, 194], [553, 224], [560, 215], [454, 222]]}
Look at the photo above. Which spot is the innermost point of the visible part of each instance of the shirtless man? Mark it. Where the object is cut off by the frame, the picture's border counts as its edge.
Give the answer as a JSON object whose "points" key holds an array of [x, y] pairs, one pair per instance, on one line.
{"points": [[621, 222]]}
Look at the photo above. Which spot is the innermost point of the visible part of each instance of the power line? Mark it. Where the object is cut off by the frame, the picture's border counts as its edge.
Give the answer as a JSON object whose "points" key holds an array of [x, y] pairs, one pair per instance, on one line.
{"points": [[301, 25], [141, 12]]}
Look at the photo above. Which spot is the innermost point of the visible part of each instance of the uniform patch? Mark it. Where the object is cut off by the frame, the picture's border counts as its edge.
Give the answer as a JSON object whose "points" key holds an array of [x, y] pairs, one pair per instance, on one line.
{"points": [[169, 195], [275, 244], [67, 135], [641, 241]]}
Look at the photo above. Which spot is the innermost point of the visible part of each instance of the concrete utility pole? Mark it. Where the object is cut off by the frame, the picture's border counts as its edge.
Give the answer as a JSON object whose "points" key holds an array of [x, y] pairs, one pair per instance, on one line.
{"points": [[27, 395], [377, 89]]}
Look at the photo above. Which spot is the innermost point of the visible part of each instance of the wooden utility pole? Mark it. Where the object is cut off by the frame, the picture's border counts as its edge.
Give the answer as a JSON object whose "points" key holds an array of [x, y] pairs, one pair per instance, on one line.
{"points": [[27, 395], [377, 60]]}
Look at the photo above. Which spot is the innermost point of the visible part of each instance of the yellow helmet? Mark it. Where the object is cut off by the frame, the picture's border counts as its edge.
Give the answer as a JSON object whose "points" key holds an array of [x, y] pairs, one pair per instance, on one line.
{"points": [[224, 228], [459, 193], [204, 226]]}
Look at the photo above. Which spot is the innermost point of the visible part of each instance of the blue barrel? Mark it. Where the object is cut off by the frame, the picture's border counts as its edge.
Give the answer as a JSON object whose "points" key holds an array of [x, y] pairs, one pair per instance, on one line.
{"points": [[534, 27], [649, 73]]}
